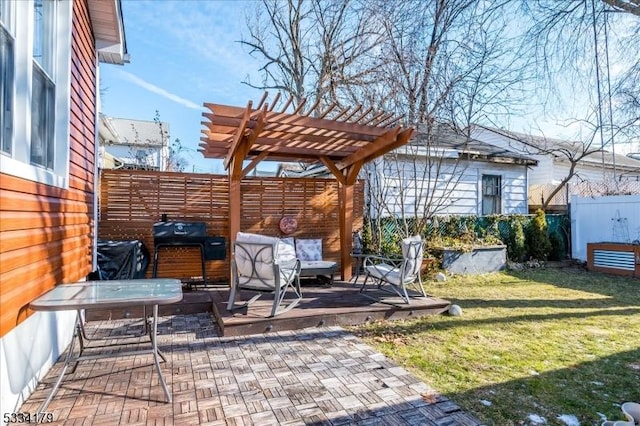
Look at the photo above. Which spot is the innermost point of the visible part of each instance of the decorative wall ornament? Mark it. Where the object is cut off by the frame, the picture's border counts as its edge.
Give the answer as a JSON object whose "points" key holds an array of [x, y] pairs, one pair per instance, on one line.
{"points": [[288, 225]]}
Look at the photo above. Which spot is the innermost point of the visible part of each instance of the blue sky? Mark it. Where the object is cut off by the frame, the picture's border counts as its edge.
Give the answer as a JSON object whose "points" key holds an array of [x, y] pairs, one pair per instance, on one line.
{"points": [[183, 53]]}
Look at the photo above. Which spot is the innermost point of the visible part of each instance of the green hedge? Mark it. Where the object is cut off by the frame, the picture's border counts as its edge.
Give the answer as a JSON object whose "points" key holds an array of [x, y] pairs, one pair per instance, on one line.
{"points": [[515, 231]]}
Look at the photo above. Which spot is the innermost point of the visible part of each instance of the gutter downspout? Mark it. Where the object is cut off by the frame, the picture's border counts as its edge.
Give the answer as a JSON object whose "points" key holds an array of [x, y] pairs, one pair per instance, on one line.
{"points": [[96, 169]]}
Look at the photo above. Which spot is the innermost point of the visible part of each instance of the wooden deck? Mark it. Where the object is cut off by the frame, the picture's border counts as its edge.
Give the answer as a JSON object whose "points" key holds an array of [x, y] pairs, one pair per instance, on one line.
{"points": [[321, 305]]}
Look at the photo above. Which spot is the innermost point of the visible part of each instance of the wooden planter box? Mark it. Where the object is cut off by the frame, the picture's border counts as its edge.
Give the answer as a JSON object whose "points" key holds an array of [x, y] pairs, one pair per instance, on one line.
{"points": [[614, 258], [480, 260]]}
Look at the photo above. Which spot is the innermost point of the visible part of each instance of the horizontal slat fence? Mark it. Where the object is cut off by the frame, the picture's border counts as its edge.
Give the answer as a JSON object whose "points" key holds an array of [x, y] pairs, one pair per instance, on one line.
{"points": [[131, 201]]}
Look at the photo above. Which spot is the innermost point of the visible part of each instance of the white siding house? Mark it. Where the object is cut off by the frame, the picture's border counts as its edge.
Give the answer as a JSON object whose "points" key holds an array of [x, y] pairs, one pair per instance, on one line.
{"points": [[133, 144], [553, 166], [595, 173], [453, 175]]}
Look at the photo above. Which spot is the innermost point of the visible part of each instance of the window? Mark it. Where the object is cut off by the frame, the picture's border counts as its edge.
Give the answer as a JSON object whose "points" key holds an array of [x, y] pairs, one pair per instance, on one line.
{"points": [[6, 79], [35, 71], [42, 85], [491, 194]]}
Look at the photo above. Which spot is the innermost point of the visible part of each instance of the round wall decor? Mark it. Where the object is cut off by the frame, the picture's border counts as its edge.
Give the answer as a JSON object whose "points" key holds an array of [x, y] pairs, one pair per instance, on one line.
{"points": [[288, 224]]}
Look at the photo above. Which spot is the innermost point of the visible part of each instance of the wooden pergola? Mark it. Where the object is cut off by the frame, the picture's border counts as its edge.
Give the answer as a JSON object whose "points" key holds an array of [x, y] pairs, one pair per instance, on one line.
{"points": [[341, 139]]}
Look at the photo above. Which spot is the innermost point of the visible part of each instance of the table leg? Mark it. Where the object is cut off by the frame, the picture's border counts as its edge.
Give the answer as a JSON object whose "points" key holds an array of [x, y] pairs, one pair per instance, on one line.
{"points": [[154, 344], [67, 359]]}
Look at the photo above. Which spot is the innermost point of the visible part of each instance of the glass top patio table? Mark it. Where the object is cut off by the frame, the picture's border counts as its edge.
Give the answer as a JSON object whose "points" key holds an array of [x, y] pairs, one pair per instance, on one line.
{"points": [[109, 294]]}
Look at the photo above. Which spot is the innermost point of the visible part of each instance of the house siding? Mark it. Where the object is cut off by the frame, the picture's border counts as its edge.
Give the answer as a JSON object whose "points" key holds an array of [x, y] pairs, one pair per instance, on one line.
{"points": [[404, 182], [46, 232], [554, 169], [582, 172], [538, 174]]}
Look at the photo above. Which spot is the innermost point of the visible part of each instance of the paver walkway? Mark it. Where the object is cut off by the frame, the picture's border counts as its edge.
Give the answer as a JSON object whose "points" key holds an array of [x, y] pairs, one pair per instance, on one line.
{"points": [[321, 376]]}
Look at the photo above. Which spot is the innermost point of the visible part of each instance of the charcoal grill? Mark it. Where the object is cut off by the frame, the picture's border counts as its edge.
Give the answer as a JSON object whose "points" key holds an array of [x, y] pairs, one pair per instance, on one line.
{"points": [[180, 234]]}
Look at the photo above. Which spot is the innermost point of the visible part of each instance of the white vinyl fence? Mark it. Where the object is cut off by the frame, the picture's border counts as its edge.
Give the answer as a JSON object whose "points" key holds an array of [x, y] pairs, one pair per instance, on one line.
{"points": [[613, 218]]}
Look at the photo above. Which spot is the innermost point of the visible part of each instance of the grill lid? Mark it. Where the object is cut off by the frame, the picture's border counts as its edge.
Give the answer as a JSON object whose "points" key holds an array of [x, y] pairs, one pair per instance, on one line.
{"points": [[179, 232]]}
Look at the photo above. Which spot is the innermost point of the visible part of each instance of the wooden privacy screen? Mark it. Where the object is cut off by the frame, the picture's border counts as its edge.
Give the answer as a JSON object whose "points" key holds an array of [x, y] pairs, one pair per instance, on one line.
{"points": [[131, 201]]}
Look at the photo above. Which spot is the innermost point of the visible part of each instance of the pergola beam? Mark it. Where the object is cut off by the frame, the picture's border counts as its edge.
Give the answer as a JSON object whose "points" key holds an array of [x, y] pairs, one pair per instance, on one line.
{"points": [[333, 169], [254, 163], [370, 149], [238, 136]]}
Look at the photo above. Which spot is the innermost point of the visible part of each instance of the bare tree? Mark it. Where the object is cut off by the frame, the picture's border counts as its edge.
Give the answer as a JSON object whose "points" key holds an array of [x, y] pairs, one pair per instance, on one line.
{"points": [[595, 43], [448, 63], [176, 162], [312, 50], [571, 153], [173, 154]]}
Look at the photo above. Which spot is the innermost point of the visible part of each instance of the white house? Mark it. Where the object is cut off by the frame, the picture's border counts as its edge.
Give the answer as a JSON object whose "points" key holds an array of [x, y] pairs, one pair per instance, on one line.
{"points": [[595, 171], [133, 144], [450, 175]]}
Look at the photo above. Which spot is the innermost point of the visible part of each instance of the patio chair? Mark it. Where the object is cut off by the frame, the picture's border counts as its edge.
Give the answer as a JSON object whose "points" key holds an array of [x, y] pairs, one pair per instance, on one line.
{"points": [[264, 265], [396, 276]]}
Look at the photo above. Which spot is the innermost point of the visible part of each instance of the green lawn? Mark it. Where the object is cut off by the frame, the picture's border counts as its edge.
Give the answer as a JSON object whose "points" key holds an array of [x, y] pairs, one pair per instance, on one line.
{"points": [[545, 342]]}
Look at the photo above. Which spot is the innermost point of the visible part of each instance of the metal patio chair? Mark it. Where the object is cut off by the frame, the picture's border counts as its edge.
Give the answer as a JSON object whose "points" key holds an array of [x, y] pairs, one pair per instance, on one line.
{"points": [[396, 276], [256, 267]]}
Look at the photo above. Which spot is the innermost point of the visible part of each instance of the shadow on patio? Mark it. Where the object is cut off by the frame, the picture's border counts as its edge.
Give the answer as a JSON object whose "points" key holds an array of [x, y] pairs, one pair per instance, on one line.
{"points": [[313, 376]]}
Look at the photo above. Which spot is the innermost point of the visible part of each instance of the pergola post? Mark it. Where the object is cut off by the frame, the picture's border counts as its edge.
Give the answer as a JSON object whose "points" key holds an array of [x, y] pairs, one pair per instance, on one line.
{"points": [[345, 197], [235, 206], [345, 188]]}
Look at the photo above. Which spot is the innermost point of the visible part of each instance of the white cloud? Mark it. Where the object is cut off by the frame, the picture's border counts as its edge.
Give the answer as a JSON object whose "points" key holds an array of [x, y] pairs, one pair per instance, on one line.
{"points": [[158, 90]]}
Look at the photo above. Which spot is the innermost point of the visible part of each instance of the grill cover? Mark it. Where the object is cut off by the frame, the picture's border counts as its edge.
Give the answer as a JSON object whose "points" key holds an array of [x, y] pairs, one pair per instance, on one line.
{"points": [[178, 233], [122, 260]]}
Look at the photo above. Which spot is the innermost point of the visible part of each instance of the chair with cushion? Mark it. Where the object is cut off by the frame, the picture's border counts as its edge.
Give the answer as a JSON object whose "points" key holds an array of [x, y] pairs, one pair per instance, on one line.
{"points": [[396, 276], [264, 265], [309, 252]]}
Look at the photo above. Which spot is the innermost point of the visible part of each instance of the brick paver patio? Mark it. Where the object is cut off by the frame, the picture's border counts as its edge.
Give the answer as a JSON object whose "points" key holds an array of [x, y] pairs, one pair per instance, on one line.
{"points": [[319, 376]]}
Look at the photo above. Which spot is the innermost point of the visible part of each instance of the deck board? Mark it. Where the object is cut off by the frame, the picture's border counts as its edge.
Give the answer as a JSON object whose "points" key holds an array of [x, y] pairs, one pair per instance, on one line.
{"points": [[337, 305], [322, 305]]}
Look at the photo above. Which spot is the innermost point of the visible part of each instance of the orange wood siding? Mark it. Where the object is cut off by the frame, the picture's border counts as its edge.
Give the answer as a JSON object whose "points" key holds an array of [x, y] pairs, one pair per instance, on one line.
{"points": [[46, 232]]}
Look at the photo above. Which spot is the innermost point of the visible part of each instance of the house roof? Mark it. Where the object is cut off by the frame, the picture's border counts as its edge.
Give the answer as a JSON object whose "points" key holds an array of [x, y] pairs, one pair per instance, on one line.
{"points": [[447, 141], [110, 161], [300, 170], [338, 137], [542, 143], [123, 131], [108, 30]]}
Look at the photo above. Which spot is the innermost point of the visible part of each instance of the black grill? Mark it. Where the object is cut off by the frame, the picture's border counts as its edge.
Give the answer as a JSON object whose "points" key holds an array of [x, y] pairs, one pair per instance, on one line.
{"points": [[179, 233], [171, 234]]}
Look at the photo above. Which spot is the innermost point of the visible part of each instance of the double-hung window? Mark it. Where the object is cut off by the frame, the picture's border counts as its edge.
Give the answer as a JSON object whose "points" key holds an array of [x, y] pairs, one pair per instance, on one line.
{"points": [[42, 85], [491, 194], [7, 65], [35, 71]]}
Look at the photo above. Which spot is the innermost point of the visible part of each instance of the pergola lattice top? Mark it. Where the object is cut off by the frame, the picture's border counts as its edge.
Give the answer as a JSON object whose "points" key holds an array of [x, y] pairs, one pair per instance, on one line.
{"points": [[350, 137], [343, 140]]}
